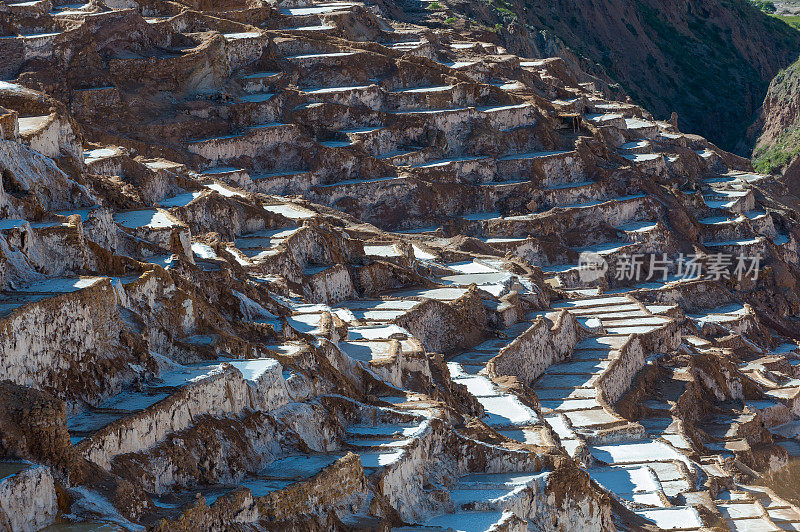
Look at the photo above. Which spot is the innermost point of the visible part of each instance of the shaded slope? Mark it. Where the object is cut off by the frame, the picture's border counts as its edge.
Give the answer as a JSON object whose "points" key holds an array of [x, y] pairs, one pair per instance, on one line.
{"points": [[710, 61]]}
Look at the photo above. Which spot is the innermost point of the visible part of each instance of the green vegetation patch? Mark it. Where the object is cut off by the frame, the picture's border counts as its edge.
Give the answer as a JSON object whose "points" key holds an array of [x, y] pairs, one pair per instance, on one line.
{"points": [[769, 159], [503, 7], [764, 5], [791, 20]]}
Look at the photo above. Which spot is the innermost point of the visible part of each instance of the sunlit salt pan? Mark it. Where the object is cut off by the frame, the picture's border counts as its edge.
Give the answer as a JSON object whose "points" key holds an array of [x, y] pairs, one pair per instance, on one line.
{"points": [[203, 251], [181, 200], [376, 333], [289, 211], [61, 284], [671, 518], [147, 218], [507, 410]]}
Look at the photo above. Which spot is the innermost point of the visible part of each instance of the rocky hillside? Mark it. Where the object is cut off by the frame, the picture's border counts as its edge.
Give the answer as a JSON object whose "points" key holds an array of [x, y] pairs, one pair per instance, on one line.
{"points": [[777, 129], [710, 60], [302, 266]]}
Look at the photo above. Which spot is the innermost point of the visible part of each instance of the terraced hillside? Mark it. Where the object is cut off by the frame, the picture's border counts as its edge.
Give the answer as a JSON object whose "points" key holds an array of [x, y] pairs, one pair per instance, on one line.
{"points": [[304, 267], [710, 61]]}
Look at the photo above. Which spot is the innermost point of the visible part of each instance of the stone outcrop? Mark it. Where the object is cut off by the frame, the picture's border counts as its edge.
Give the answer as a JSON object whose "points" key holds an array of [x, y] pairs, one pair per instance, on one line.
{"points": [[27, 499]]}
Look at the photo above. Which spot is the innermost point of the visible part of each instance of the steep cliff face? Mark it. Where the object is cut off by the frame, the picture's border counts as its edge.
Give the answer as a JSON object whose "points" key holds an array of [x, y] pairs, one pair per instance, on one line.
{"points": [[777, 129], [710, 61]]}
